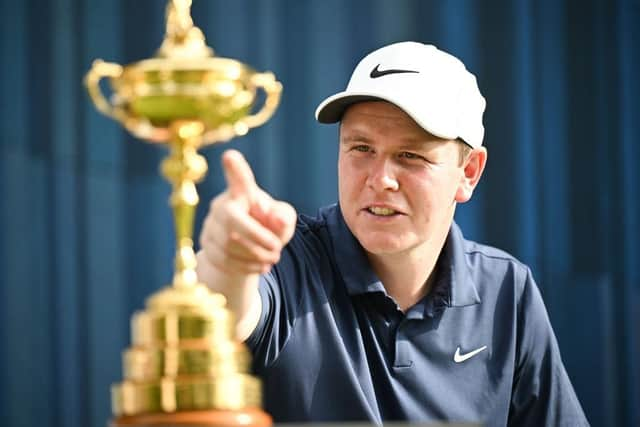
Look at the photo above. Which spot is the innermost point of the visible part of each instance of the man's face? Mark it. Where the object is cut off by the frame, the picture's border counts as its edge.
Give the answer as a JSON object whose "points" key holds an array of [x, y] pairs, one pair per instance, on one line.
{"points": [[398, 185]]}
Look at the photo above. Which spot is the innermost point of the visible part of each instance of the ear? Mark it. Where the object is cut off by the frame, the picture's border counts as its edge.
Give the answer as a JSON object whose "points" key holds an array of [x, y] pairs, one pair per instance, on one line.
{"points": [[472, 168]]}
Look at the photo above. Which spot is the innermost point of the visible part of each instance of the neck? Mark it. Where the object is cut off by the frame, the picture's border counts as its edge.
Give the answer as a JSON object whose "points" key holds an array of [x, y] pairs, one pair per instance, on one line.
{"points": [[408, 276]]}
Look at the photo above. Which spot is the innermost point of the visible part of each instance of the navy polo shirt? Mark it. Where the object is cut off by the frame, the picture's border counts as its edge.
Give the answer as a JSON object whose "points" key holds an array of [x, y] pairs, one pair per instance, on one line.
{"points": [[331, 345]]}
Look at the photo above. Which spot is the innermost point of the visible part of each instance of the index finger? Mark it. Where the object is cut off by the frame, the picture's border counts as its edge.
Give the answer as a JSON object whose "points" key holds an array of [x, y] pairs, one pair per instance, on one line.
{"points": [[238, 175]]}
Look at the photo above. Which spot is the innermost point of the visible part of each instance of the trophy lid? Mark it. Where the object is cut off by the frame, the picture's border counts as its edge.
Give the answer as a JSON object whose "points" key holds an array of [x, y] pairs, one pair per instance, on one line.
{"points": [[182, 38], [184, 49]]}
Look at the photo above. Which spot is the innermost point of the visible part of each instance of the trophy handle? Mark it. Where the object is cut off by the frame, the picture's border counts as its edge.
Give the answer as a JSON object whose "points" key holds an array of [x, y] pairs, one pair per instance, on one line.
{"points": [[140, 128], [99, 70], [272, 89]]}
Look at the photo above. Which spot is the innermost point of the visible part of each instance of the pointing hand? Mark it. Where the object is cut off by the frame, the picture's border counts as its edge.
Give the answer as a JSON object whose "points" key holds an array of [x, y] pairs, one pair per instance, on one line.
{"points": [[245, 229]]}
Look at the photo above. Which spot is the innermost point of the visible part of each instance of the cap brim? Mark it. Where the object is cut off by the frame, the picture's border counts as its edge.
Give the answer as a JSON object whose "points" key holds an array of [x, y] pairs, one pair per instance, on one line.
{"points": [[331, 109]]}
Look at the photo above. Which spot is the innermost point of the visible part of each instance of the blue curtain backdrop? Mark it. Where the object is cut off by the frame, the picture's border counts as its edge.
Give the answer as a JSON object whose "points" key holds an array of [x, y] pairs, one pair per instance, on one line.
{"points": [[86, 235]]}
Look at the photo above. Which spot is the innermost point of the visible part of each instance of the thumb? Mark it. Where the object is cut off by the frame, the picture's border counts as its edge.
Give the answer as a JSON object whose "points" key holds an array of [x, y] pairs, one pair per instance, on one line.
{"points": [[239, 176]]}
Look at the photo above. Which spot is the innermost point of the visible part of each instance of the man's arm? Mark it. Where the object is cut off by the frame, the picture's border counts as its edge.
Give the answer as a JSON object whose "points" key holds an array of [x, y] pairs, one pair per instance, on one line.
{"points": [[542, 392], [242, 237]]}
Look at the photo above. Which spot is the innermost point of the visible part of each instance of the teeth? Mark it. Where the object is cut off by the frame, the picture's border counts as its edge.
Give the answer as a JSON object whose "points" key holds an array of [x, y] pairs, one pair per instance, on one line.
{"points": [[381, 211]]}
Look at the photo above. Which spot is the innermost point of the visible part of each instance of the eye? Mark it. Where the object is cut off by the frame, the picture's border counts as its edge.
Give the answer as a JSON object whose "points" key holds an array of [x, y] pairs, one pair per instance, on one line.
{"points": [[361, 148], [410, 156]]}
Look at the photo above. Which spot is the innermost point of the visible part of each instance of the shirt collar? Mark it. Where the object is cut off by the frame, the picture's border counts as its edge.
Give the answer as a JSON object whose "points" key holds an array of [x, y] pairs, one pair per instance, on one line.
{"points": [[453, 286], [454, 269], [351, 258]]}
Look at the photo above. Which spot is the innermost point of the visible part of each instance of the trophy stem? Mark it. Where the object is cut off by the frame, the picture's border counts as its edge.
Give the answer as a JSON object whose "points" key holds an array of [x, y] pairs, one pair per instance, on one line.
{"points": [[183, 168]]}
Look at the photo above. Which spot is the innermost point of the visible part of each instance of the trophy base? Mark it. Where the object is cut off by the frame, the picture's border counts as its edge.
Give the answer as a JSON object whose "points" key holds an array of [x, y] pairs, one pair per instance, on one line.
{"points": [[250, 417]]}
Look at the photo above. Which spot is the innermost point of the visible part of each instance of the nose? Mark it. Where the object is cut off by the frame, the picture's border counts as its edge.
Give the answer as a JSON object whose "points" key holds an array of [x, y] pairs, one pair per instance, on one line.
{"points": [[382, 177]]}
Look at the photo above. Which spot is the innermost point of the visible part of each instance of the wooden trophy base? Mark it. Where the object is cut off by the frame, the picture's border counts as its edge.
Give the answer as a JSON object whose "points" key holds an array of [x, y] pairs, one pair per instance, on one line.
{"points": [[251, 417]]}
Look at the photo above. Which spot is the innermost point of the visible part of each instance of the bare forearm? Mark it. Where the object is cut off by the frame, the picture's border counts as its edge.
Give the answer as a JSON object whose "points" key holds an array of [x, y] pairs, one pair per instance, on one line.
{"points": [[240, 290]]}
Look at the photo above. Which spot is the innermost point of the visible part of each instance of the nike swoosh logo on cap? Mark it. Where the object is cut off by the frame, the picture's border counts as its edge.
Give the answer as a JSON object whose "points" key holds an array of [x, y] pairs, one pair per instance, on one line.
{"points": [[375, 73], [459, 358]]}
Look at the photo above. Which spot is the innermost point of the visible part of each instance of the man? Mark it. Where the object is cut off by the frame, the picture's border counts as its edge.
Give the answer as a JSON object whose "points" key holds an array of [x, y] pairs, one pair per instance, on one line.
{"points": [[378, 309]]}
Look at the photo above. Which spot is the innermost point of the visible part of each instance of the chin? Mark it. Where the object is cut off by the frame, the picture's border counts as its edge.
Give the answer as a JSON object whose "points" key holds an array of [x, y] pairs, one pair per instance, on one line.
{"points": [[381, 245]]}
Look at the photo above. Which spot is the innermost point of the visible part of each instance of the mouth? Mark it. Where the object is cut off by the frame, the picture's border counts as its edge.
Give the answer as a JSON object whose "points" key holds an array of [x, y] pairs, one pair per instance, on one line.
{"points": [[382, 211]]}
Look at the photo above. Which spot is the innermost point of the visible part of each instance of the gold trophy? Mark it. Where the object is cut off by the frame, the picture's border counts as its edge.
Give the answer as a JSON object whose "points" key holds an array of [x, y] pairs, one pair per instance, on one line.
{"points": [[183, 366]]}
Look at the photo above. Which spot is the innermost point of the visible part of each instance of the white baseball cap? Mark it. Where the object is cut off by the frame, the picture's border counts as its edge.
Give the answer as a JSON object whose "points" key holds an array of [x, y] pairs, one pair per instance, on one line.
{"points": [[433, 87]]}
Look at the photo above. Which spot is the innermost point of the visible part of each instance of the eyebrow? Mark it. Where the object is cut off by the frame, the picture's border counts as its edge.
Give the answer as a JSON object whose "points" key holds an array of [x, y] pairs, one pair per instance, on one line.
{"points": [[357, 137], [414, 144]]}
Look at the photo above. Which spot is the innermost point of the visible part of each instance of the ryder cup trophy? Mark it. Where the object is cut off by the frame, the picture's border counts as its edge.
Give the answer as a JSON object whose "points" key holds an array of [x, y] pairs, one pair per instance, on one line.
{"points": [[183, 366]]}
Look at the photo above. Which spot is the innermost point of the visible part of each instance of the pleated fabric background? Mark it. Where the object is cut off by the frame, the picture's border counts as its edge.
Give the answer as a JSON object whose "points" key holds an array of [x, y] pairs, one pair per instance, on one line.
{"points": [[86, 234]]}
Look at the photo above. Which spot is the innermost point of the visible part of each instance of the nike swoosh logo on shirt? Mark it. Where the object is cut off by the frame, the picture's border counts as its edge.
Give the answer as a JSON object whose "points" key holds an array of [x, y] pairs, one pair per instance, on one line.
{"points": [[459, 358]]}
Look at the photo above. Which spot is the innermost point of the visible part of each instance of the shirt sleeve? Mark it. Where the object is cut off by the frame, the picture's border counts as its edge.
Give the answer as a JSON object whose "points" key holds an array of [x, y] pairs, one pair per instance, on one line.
{"points": [[542, 392], [280, 295]]}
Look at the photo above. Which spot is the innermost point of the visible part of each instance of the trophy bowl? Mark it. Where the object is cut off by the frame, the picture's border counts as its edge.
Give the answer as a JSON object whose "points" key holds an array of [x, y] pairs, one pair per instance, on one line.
{"points": [[151, 95], [215, 91]]}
